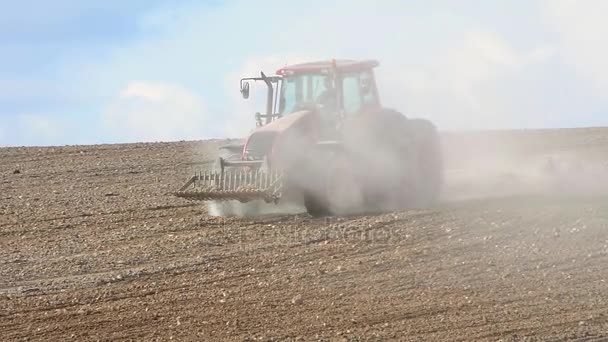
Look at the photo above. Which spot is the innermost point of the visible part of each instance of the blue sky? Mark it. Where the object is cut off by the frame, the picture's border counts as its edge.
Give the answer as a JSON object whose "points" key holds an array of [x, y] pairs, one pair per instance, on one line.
{"points": [[76, 72]]}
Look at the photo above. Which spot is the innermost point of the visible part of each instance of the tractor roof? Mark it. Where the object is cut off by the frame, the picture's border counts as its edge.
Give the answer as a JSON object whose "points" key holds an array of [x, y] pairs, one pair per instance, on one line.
{"points": [[326, 66]]}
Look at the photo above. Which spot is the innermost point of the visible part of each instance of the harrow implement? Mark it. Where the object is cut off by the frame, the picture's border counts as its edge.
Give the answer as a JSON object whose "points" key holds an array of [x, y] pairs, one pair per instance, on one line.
{"points": [[233, 184]]}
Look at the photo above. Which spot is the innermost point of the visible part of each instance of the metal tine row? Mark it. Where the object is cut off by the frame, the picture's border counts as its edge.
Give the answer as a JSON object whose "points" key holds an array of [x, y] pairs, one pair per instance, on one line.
{"points": [[232, 180], [250, 179], [203, 178]]}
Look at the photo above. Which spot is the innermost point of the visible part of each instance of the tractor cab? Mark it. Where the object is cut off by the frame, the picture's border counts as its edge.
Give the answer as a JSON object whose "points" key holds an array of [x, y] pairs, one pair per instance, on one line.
{"points": [[336, 89]]}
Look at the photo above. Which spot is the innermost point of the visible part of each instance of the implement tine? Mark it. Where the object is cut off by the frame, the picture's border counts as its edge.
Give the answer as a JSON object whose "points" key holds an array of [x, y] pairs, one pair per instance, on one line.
{"points": [[224, 179], [230, 180], [235, 182], [272, 176], [260, 179], [221, 179], [267, 180], [241, 178]]}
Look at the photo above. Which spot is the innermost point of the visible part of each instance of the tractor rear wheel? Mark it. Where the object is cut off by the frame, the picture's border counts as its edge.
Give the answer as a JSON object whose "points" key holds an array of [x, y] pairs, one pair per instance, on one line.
{"points": [[399, 160]]}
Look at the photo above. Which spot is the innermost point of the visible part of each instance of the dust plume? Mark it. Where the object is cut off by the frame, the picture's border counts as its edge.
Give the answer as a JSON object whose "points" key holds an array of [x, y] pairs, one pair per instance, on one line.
{"points": [[253, 208], [556, 163]]}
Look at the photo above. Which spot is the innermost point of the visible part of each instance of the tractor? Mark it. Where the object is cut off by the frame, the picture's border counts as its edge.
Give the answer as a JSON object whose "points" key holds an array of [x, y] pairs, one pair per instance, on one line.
{"points": [[326, 143]]}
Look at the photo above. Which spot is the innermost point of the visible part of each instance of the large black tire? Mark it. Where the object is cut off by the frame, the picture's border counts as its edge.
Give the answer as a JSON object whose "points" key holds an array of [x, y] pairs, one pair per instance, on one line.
{"points": [[396, 161], [415, 144], [399, 160], [315, 205]]}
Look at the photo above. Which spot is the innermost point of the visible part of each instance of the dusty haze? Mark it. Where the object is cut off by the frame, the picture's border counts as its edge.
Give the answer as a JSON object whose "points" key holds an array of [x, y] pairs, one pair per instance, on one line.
{"points": [[566, 163], [556, 163]]}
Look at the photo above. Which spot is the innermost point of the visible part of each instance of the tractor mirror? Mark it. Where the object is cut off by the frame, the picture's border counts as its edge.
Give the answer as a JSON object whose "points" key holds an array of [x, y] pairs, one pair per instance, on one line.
{"points": [[245, 90]]}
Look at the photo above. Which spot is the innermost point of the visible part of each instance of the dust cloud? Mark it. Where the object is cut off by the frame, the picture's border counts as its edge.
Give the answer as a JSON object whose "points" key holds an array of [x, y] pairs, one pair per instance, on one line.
{"points": [[555, 163], [252, 208], [568, 163]]}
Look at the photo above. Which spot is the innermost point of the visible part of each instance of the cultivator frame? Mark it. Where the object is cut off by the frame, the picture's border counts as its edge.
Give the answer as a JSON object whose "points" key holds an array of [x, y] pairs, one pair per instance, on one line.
{"points": [[233, 184]]}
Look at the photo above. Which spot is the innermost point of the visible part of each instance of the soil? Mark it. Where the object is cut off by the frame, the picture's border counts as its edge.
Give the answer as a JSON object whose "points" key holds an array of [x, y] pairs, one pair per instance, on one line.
{"points": [[93, 246]]}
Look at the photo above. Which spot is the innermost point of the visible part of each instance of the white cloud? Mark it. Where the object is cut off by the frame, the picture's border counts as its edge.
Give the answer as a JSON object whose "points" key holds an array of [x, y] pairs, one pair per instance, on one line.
{"points": [[155, 111], [582, 36], [452, 88], [27, 129], [42, 128]]}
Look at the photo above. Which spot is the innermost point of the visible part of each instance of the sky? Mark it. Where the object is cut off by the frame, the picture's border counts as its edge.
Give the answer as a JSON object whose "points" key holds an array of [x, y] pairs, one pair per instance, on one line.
{"points": [[109, 71]]}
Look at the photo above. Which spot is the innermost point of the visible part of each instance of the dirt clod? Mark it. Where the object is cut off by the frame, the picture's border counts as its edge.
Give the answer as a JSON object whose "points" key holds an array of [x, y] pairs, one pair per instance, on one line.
{"points": [[297, 300]]}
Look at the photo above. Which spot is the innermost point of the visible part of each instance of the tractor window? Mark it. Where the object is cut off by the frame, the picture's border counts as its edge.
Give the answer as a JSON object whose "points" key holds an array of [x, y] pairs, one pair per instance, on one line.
{"points": [[366, 82], [318, 85], [358, 92], [288, 99], [351, 93], [305, 89]]}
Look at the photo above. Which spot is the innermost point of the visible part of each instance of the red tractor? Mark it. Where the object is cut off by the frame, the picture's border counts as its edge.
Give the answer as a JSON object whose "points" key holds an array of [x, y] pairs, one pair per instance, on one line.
{"points": [[326, 142]]}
